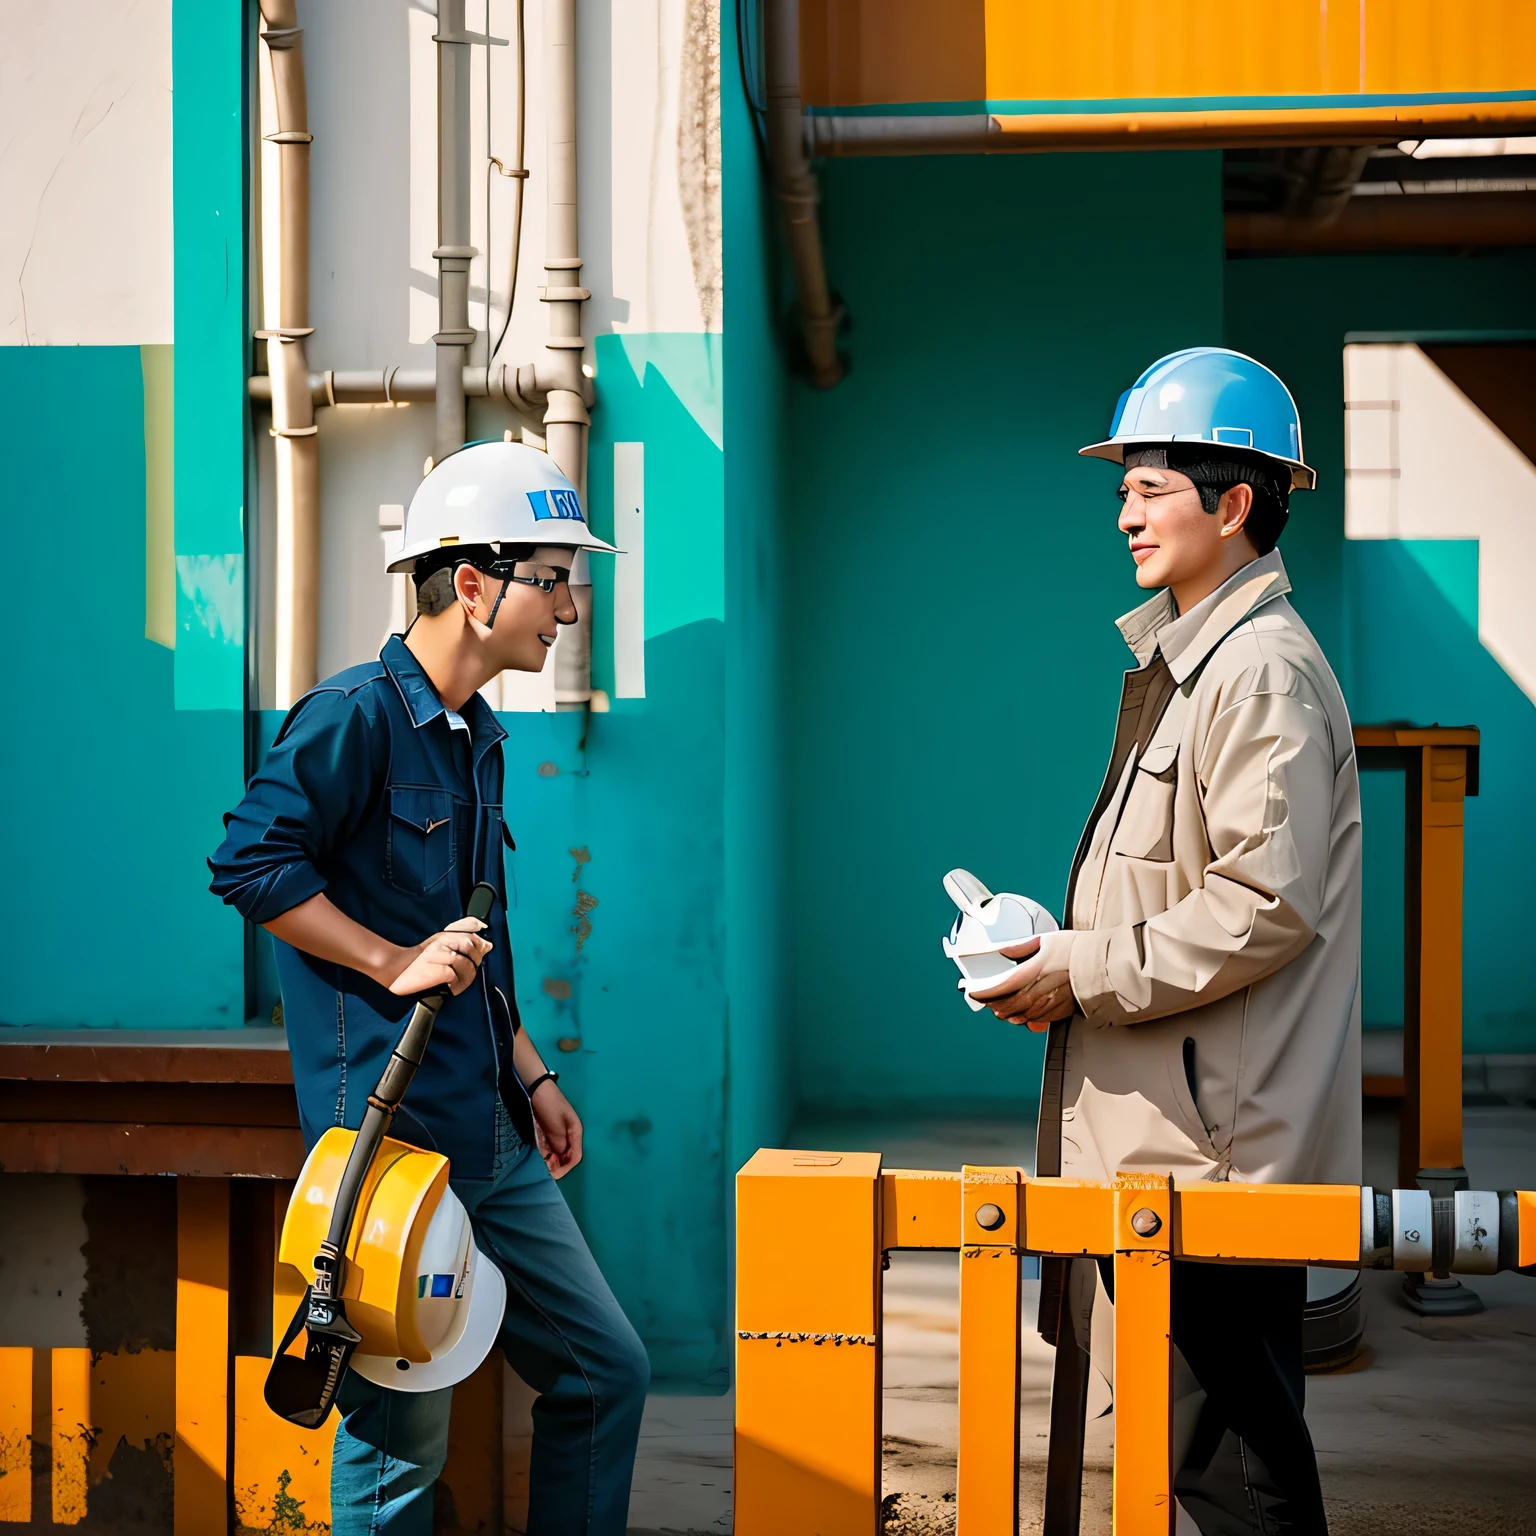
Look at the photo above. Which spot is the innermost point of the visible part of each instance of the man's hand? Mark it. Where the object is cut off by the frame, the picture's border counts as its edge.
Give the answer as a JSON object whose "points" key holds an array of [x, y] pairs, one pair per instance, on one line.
{"points": [[448, 959], [557, 1127], [1039, 991]]}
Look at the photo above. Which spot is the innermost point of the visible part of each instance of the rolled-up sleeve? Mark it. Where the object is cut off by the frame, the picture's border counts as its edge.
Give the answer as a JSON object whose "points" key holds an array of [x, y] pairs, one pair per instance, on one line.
{"points": [[307, 796], [1267, 777]]}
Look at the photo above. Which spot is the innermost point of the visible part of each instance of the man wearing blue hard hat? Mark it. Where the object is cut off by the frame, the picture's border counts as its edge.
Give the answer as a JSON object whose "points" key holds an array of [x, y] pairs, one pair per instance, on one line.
{"points": [[1203, 995]]}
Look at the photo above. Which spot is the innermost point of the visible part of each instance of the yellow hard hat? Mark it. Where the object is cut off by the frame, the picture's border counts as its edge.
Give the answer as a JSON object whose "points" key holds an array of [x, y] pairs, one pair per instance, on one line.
{"points": [[426, 1301]]}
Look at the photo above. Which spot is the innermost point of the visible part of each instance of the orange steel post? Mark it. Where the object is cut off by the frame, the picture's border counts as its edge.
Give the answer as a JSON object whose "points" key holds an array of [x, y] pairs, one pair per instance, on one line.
{"points": [[1430, 1153], [73, 1433], [987, 1500], [808, 1344], [15, 1436], [203, 1362], [1143, 1478]]}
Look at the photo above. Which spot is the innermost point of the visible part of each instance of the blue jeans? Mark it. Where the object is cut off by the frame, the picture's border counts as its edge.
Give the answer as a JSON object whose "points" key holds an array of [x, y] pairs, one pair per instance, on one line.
{"points": [[563, 1333]]}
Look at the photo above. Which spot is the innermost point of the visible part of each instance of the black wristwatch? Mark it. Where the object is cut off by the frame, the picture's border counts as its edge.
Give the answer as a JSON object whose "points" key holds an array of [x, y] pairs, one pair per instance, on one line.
{"points": [[543, 1077]]}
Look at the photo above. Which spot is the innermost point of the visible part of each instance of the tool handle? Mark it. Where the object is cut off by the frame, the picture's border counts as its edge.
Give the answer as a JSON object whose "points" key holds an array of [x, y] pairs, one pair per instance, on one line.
{"points": [[386, 1096]]}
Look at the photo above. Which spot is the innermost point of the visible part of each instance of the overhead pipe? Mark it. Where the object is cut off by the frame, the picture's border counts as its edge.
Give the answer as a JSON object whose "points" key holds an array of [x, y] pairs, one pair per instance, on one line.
{"points": [[1413, 221], [795, 185], [559, 378], [525, 389], [293, 418], [454, 252]]}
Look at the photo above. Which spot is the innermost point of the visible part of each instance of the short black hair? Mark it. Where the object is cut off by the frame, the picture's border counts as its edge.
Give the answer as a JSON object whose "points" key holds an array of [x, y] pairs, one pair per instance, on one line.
{"points": [[434, 571], [1216, 470]]}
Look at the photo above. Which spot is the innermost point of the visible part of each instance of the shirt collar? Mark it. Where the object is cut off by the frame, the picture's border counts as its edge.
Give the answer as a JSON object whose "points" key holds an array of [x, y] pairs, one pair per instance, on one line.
{"points": [[423, 704], [1186, 639]]}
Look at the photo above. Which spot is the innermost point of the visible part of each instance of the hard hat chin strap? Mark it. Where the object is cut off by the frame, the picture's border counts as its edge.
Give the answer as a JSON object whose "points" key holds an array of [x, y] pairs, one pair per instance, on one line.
{"points": [[506, 581]]}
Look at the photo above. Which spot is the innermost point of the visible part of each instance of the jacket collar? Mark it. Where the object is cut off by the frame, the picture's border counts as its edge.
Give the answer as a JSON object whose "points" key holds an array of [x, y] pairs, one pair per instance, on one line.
{"points": [[1186, 639], [423, 704]]}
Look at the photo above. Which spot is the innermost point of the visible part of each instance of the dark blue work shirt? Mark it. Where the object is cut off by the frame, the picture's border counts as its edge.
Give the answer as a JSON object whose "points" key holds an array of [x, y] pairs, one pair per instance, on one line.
{"points": [[372, 796]]}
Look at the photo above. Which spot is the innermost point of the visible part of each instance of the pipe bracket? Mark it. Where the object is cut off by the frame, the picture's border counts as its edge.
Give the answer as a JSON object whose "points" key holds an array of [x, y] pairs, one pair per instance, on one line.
{"points": [[482, 38]]}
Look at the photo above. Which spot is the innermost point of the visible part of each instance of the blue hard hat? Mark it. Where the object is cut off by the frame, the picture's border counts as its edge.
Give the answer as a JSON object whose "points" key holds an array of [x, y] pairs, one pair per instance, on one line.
{"points": [[1209, 395]]}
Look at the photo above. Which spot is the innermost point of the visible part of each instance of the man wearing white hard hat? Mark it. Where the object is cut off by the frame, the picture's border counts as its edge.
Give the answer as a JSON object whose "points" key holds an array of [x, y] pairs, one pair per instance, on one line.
{"points": [[356, 846], [1203, 996]]}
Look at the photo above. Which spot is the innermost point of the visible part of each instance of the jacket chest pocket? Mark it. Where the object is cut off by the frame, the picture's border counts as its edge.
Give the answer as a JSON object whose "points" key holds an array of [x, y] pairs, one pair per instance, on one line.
{"points": [[1146, 823], [422, 849]]}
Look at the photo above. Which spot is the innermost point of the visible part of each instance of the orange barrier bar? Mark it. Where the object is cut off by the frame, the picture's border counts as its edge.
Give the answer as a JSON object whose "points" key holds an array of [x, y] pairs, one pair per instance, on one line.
{"points": [[1278, 1223], [1068, 1216], [920, 1209], [203, 1372], [988, 1475], [16, 1436], [807, 1344], [811, 1229]]}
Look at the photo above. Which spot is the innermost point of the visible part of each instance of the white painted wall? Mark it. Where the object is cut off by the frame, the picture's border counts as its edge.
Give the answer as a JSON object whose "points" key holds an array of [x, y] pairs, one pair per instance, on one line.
{"points": [[85, 173], [1423, 462], [648, 155]]}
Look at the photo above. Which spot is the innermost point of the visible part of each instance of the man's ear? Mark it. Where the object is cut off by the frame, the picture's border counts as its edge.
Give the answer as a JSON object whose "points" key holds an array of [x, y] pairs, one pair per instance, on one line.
{"points": [[1233, 509], [469, 586]]}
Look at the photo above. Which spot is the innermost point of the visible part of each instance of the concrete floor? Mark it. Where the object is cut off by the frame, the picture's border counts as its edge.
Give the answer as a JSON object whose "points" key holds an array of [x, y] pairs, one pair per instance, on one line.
{"points": [[1435, 1435]]}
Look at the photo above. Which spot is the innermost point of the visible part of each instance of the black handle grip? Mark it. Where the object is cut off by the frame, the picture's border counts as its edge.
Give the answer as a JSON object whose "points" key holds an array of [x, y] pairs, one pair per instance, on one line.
{"points": [[481, 900]]}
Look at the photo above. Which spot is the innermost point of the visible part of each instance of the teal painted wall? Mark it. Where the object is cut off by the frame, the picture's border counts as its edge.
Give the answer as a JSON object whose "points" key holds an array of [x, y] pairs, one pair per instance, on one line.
{"points": [[115, 794], [760, 1089], [1399, 617], [953, 577], [620, 814], [209, 152]]}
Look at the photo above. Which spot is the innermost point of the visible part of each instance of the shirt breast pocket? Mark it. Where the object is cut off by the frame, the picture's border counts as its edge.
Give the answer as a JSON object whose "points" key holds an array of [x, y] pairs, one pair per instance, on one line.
{"points": [[421, 850], [1146, 824]]}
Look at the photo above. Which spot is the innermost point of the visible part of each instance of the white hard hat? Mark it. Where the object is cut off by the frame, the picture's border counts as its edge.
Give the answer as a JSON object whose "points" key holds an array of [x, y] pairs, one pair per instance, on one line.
{"points": [[456, 1311], [494, 493], [982, 927]]}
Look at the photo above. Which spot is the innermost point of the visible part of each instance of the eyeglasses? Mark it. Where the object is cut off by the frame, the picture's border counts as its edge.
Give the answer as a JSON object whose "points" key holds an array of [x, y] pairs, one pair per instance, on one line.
{"points": [[545, 577]]}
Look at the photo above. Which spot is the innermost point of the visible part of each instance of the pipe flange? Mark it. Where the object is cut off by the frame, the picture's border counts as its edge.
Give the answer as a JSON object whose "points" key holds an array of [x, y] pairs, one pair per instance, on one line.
{"points": [[563, 295], [289, 136], [458, 338], [455, 253], [562, 264], [292, 431], [282, 37], [567, 343]]}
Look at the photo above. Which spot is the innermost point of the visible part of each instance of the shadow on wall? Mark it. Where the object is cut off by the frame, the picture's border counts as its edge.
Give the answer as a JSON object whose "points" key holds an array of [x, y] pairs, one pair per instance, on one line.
{"points": [[1415, 655]]}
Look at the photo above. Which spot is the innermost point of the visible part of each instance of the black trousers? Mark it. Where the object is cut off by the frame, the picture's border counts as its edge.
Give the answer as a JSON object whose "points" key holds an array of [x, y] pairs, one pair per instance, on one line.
{"points": [[1251, 1466]]}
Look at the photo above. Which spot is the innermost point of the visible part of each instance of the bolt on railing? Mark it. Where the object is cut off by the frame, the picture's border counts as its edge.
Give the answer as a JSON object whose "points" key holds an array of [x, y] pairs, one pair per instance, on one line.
{"points": [[811, 1232]]}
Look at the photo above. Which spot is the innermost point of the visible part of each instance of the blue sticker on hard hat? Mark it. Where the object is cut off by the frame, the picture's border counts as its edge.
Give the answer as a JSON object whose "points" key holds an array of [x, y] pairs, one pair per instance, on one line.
{"points": [[441, 1285], [561, 505]]}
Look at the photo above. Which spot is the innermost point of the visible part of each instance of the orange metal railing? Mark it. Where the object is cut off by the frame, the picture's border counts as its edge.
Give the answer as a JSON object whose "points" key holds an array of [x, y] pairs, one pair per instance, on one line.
{"points": [[811, 1231]]}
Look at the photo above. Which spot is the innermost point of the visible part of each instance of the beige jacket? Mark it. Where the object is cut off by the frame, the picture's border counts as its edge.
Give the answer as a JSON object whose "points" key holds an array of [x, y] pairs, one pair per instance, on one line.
{"points": [[1215, 909]]}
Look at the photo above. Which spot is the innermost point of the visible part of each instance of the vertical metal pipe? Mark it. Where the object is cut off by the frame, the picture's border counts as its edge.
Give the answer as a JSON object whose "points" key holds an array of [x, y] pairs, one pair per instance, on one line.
{"points": [[565, 414], [797, 191], [293, 417], [454, 252]]}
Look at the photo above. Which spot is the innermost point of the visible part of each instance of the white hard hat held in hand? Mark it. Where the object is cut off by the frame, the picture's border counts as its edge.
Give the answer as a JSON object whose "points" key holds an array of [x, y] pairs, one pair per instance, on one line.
{"points": [[494, 493], [984, 925]]}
